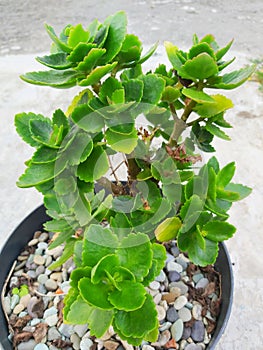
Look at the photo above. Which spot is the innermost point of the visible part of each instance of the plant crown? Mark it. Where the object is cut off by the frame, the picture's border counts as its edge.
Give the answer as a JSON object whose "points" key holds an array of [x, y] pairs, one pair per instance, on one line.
{"points": [[115, 233]]}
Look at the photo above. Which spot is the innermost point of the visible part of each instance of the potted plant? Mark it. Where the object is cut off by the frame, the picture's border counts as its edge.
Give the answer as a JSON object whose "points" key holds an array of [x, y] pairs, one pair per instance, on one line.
{"points": [[119, 170]]}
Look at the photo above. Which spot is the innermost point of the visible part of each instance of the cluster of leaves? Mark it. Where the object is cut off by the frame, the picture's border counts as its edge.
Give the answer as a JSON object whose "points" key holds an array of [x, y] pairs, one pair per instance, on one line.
{"points": [[163, 198], [108, 285]]}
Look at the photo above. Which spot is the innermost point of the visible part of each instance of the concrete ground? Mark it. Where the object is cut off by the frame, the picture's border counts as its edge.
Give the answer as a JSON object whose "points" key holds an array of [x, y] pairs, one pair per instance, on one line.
{"points": [[22, 38]]}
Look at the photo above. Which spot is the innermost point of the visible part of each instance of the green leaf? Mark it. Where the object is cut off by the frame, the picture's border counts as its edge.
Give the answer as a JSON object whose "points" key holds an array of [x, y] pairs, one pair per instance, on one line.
{"points": [[139, 322], [22, 124], [200, 67], [87, 119], [211, 191], [79, 312], [117, 31], [125, 143], [37, 174], [198, 96], [218, 231], [227, 195], [171, 94], [96, 74], [79, 273], [62, 45], [44, 155], [77, 35], [100, 321], [57, 225], [168, 229], [130, 50], [60, 119], [107, 263], [80, 52], [61, 238], [108, 87], [225, 175], [59, 79], [213, 163], [171, 51], [200, 48], [135, 254], [65, 185], [193, 205], [234, 79], [69, 299], [216, 208], [67, 253], [95, 166], [123, 300], [98, 242], [55, 61], [152, 89], [221, 52], [79, 149], [41, 130], [148, 54], [95, 294], [242, 190], [90, 60], [101, 35], [215, 130]]}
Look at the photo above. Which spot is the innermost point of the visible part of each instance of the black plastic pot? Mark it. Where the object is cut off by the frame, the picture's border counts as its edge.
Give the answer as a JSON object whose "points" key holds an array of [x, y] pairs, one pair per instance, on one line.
{"points": [[34, 221]]}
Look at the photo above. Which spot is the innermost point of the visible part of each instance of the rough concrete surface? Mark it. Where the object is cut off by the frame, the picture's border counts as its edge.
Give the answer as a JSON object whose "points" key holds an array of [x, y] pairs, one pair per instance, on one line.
{"points": [[22, 38]]}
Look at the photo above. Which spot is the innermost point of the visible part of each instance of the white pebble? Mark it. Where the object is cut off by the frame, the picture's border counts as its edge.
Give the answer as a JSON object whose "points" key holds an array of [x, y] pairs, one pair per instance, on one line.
{"points": [[185, 314], [161, 312], [154, 285], [180, 302]]}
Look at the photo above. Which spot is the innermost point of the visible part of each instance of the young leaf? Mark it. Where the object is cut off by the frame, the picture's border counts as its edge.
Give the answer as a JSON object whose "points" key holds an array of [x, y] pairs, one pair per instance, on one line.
{"points": [[227, 195], [225, 175], [221, 104], [95, 294], [77, 35], [171, 51], [90, 60], [218, 231], [107, 263], [198, 96], [221, 52], [200, 67], [79, 312], [96, 74], [168, 229], [62, 45], [80, 52]]}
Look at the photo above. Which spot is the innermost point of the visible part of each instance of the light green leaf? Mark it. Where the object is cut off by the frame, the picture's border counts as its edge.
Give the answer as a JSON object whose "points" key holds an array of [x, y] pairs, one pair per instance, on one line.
{"points": [[200, 67], [152, 89], [198, 96], [95, 294], [79, 273], [79, 312], [95, 166], [125, 143], [61, 238], [67, 253], [77, 35], [168, 229], [54, 78], [98, 242], [227, 195], [130, 50], [221, 52], [96, 74], [211, 191], [193, 205], [90, 60], [225, 175], [87, 119], [79, 148], [200, 48], [135, 254], [100, 321], [79, 52], [218, 231], [171, 94], [242, 190], [123, 299], [221, 104], [62, 45], [171, 51]]}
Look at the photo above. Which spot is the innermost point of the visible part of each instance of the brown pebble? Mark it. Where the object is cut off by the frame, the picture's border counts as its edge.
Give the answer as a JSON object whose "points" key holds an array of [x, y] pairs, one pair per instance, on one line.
{"points": [[170, 297], [39, 260], [18, 308], [33, 241], [111, 345]]}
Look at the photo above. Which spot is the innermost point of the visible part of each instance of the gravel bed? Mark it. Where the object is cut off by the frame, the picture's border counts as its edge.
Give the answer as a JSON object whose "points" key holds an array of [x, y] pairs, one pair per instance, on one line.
{"points": [[187, 300]]}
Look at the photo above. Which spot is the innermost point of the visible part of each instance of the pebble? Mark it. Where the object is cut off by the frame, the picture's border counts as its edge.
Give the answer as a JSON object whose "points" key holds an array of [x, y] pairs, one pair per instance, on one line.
{"points": [[66, 329], [80, 330], [193, 347], [75, 340], [18, 308], [32, 274], [170, 297], [165, 325], [185, 314], [86, 344], [172, 315], [173, 266], [186, 333], [42, 278], [162, 339], [177, 329], [49, 312], [183, 287], [14, 301], [53, 334], [39, 259], [174, 276], [175, 251], [197, 312], [51, 285], [182, 261], [161, 312], [197, 277], [41, 346], [33, 242], [161, 277], [154, 285], [147, 347], [202, 283], [51, 320], [111, 345], [157, 298], [40, 269], [29, 345], [198, 331], [43, 237], [7, 305], [57, 276], [180, 302]]}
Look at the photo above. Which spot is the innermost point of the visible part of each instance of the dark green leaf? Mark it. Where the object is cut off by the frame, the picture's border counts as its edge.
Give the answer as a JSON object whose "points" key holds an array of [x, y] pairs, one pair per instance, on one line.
{"points": [[62, 45], [95, 294], [215, 130], [218, 231], [152, 89], [225, 175], [67, 253], [87, 119], [44, 154], [96, 74], [55, 61], [122, 142], [59, 79], [234, 79], [79, 149], [41, 130], [22, 124]]}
